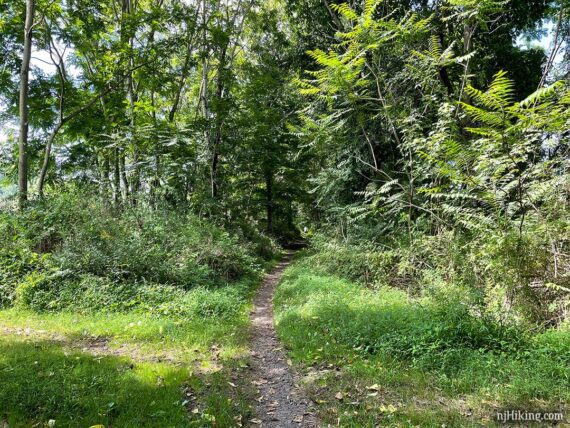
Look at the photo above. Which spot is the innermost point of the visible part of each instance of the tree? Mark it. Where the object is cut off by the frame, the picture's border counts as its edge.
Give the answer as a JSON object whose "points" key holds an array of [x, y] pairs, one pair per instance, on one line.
{"points": [[24, 90]]}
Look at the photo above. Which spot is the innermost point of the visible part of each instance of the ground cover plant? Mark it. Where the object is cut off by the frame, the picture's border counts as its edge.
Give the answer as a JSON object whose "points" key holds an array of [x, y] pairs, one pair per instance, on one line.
{"points": [[377, 356], [100, 331]]}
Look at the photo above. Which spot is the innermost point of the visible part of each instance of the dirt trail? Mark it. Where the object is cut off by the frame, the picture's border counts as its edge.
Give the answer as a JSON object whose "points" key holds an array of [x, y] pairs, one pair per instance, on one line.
{"points": [[280, 402]]}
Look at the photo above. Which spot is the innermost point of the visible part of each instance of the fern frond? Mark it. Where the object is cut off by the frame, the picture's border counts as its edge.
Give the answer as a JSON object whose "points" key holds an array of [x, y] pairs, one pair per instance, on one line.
{"points": [[370, 7], [345, 10]]}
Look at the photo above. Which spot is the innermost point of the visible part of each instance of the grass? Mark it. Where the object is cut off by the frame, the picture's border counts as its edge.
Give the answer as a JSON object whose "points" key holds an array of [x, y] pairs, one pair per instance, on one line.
{"points": [[137, 317], [41, 382], [123, 369], [377, 357], [157, 336]]}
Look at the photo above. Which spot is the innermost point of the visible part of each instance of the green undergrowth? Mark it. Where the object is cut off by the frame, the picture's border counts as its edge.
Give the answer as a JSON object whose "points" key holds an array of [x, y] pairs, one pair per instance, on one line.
{"points": [[73, 251], [124, 316], [378, 356]]}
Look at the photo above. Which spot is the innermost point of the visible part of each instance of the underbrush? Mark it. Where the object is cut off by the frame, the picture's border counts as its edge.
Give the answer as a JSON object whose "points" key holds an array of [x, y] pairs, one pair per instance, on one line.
{"points": [[124, 316], [74, 252], [497, 273], [391, 356]]}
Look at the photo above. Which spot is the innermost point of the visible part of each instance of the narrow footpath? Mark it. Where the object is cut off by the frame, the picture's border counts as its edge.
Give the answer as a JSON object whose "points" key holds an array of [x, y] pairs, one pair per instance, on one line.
{"points": [[279, 401]]}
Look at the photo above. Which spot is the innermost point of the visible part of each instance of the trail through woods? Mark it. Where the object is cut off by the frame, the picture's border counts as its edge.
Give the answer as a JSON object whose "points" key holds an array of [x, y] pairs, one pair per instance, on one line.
{"points": [[279, 401]]}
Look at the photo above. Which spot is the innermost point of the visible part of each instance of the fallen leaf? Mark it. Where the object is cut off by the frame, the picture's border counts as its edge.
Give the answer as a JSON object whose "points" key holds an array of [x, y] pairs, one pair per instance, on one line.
{"points": [[256, 421], [374, 387], [233, 385], [298, 419], [390, 408], [339, 396]]}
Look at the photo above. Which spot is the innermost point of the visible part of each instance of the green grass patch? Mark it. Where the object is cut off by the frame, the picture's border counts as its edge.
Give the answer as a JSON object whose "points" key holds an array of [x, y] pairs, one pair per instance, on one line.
{"points": [[41, 382], [187, 339], [398, 361], [82, 368]]}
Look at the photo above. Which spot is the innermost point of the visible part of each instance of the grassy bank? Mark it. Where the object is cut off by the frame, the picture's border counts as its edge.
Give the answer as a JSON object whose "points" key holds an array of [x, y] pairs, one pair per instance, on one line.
{"points": [[378, 357], [124, 317]]}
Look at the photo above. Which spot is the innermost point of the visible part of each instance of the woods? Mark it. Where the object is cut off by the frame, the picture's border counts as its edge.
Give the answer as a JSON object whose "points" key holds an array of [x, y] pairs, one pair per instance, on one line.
{"points": [[156, 156]]}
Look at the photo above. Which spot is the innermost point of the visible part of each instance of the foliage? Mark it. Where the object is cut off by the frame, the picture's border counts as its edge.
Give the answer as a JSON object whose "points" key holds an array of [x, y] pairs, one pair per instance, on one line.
{"points": [[420, 146], [73, 252], [424, 181], [390, 356]]}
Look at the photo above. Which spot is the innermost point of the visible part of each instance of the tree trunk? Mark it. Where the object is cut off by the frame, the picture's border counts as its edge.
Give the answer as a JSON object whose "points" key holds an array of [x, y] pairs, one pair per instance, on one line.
{"points": [[269, 194], [219, 122], [105, 180], [213, 171], [116, 179], [124, 180], [24, 79], [45, 165]]}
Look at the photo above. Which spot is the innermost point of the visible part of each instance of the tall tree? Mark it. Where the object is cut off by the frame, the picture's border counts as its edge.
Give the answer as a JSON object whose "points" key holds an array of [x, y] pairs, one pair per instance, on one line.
{"points": [[24, 93]]}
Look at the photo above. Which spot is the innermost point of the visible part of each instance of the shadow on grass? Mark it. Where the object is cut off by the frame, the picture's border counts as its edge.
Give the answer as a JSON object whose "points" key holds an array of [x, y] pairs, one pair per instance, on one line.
{"points": [[432, 365], [40, 382]]}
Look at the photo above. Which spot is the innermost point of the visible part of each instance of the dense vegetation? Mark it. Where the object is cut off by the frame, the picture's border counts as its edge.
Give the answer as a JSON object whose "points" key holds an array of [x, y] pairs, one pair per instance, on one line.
{"points": [[155, 154], [426, 361]]}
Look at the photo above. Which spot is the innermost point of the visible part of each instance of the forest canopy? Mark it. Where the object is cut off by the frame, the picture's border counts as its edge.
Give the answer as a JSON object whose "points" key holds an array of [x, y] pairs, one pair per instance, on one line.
{"points": [[155, 155]]}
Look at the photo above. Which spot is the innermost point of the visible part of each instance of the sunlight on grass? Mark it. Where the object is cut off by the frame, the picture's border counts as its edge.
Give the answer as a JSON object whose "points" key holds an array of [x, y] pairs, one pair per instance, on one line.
{"points": [[150, 332], [121, 369], [373, 356], [41, 382]]}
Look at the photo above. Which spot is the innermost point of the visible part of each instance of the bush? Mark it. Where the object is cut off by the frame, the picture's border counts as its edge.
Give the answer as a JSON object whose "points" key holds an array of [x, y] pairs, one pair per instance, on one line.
{"points": [[497, 273], [72, 251], [66, 291], [16, 264]]}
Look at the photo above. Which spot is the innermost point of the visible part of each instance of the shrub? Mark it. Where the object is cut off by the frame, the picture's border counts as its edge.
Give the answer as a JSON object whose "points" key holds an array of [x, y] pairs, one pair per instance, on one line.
{"points": [[498, 273], [72, 251], [16, 264]]}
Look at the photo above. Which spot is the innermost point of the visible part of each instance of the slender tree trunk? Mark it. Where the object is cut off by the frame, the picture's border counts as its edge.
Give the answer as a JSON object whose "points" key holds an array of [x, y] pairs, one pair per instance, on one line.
{"points": [[105, 179], [127, 8], [176, 102], [269, 195], [24, 82], [468, 32], [45, 165], [116, 179], [213, 171], [155, 182], [123, 170], [219, 122], [133, 98]]}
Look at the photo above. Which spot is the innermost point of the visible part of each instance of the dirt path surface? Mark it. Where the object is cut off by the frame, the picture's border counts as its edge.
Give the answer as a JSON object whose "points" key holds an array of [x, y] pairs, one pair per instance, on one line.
{"points": [[280, 402]]}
